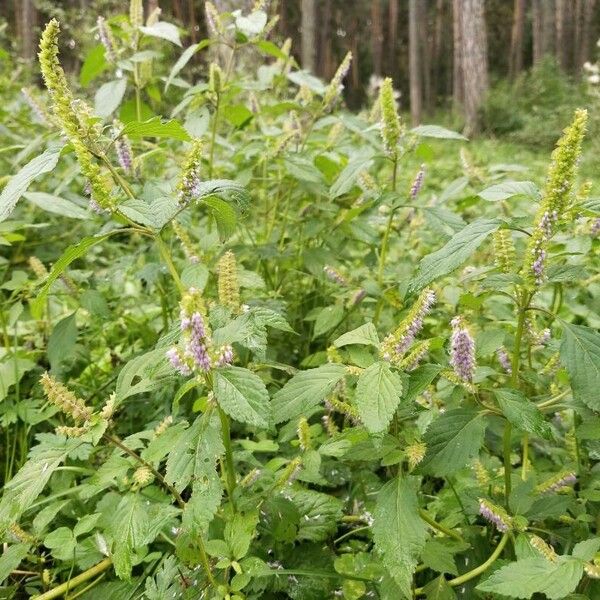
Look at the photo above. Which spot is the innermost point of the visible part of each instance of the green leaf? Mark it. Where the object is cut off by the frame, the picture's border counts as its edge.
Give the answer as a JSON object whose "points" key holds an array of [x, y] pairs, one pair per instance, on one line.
{"points": [[438, 555], [453, 439], [435, 131], [319, 514], [146, 368], [242, 395], [304, 78], [580, 353], [302, 168], [68, 256], [439, 589], [57, 205], [184, 59], [239, 532], [508, 189], [157, 128], [271, 49], [347, 178], [524, 578], [18, 184], [62, 340], [12, 370], [587, 549], [237, 114], [327, 319], [62, 542], [456, 251], [163, 30], [365, 335], [419, 381], [224, 215], [305, 390], [93, 65], [398, 530], [22, 490], [522, 413], [378, 394], [11, 558], [109, 97]]}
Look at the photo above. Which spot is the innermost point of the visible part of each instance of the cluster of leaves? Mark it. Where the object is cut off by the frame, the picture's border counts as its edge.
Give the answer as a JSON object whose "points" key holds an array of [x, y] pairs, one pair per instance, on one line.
{"points": [[276, 357]]}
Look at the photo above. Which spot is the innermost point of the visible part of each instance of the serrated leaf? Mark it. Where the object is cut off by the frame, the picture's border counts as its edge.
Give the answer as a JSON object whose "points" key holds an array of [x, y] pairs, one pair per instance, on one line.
{"points": [[319, 514], [420, 379], [587, 549], [580, 353], [453, 439], [305, 390], [68, 256], [398, 531], [439, 589], [508, 189], [239, 532], [378, 394], [365, 335], [242, 395], [522, 413], [327, 319], [436, 131], [57, 205], [524, 578], [18, 184], [456, 251], [157, 128]]}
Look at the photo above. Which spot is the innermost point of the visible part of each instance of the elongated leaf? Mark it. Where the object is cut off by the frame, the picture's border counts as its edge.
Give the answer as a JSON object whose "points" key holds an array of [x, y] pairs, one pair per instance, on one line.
{"points": [[242, 395], [157, 128], [163, 30], [305, 390], [184, 59], [456, 251], [365, 335], [522, 413], [11, 558], [436, 131], [580, 353], [524, 578], [508, 189], [347, 178], [93, 65], [69, 255], [453, 439], [378, 393], [439, 589], [18, 184], [57, 205], [399, 533]]}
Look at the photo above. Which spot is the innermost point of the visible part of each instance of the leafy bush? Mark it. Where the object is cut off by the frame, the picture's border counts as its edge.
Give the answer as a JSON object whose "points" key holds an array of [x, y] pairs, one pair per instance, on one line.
{"points": [[253, 349]]}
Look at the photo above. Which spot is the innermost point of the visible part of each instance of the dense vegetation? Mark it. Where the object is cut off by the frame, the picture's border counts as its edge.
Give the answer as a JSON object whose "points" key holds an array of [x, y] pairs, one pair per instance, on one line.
{"points": [[257, 346]]}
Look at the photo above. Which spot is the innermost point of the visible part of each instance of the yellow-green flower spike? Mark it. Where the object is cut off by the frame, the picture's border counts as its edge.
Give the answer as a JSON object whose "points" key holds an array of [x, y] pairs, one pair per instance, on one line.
{"points": [[335, 87], [136, 13], [186, 242], [215, 78], [504, 250], [304, 437], [229, 288], [38, 267], [391, 129], [556, 197], [65, 399]]}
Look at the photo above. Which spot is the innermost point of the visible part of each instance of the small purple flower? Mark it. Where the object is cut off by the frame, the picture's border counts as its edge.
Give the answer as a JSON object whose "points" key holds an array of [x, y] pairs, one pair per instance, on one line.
{"points": [[415, 188], [195, 345], [595, 230], [358, 297], [537, 266], [177, 362], [106, 39], [124, 154], [225, 356], [495, 515], [504, 360], [416, 322], [558, 482], [462, 350], [334, 275], [190, 188]]}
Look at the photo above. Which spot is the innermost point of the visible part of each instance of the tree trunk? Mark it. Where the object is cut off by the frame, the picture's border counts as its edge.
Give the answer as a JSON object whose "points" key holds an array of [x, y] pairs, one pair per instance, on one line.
{"points": [[26, 20], [473, 42], [543, 28], [377, 36], [585, 31], [392, 59], [562, 33], [457, 67], [414, 62], [516, 40], [308, 35]]}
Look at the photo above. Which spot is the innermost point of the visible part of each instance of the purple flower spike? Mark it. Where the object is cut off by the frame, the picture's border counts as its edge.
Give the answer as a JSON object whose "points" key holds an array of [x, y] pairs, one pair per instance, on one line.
{"points": [[462, 350]]}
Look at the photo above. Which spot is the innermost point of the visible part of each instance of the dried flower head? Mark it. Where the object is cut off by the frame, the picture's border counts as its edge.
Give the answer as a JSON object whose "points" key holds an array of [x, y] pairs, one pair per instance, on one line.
{"points": [[37, 266], [142, 477], [59, 395], [163, 425], [20, 535], [136, 13], [213, 20], [557, 483], [229, 288], [71, 432], [335, 87], [334, 275], [290, 472], [250, 478], [390, 121], [546, 550], [415, 453]]}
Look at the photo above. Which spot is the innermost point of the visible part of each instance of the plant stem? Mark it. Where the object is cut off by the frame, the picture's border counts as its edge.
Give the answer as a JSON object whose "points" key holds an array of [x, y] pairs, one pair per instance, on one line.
{"points": [[164, 252], [477, 570], [61, 589], [449, 532], [229, 468], [213, 136]]}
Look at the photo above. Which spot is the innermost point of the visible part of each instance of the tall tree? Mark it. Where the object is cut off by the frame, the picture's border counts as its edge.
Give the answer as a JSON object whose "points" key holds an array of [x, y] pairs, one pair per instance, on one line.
{"points": [[543, 28], [472, 42], [392, 42], [585, 34], [516, 39], [377, 36], [26, 18], [309, 54], [457, 65], [414, 62]]}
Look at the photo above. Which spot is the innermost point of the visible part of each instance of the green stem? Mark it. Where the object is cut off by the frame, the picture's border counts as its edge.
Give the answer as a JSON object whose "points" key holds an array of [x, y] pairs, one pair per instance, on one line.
{"points": [[166, 256], [61, 589], [229, 468], [449, 532], [213, 137], [477, 570]]}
